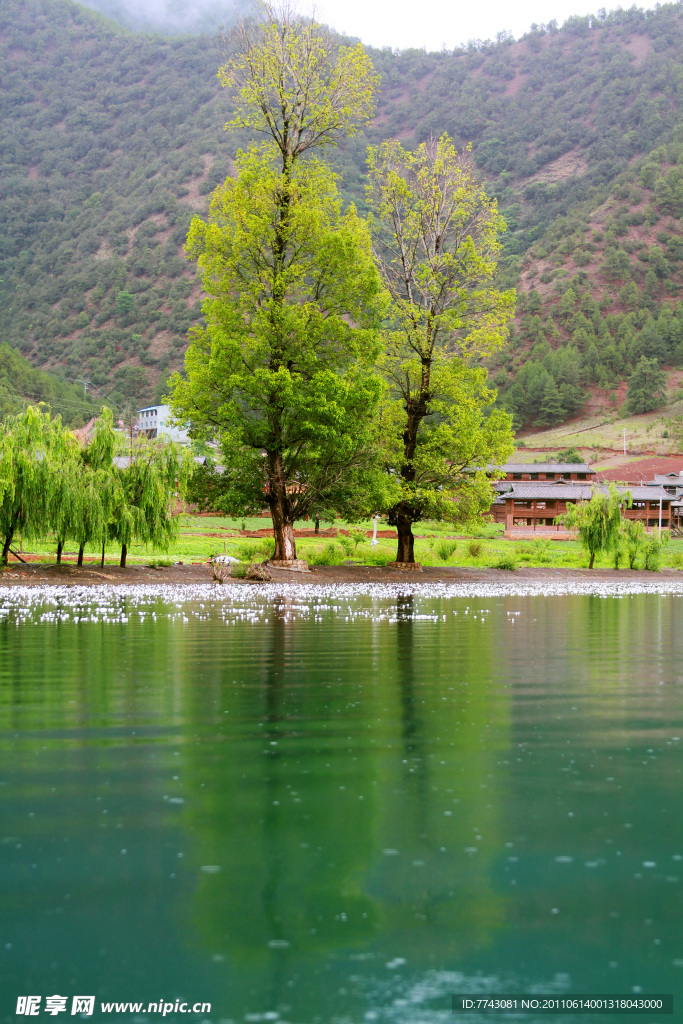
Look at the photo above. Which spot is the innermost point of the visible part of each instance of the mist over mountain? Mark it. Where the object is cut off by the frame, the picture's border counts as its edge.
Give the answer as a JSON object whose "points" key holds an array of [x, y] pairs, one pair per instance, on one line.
{"points": [[110, 141], [171, 17]]}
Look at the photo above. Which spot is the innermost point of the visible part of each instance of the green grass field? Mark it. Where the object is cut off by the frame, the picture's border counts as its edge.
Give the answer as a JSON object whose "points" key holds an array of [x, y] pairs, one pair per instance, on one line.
{"points": [[435, 545]]}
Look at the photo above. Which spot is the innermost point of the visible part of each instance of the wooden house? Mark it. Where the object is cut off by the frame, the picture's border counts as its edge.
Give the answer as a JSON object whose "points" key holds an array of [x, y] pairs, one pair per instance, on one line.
{"points": [[542, 471], [532, 507]]}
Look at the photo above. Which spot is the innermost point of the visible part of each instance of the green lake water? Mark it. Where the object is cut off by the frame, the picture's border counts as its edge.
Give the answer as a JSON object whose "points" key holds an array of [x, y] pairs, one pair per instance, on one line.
{"points": [[338, 806]]}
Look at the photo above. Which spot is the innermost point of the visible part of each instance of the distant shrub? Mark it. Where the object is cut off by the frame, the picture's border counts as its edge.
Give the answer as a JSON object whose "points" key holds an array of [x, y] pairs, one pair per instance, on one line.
{"points": [[377, 558], [653, 550], [507, 562], [347, 544], [254, 551], [358, 537], [331, 554], [541, 550], [445, 548]]}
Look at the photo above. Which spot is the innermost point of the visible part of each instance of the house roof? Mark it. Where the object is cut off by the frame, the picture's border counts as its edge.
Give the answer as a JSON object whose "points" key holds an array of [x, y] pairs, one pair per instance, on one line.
{"points": [[542, 467], [546, 489], [666, 480]]}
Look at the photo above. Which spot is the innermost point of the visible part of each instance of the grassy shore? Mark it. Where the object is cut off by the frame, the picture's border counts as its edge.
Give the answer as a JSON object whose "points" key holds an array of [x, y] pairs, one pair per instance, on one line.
{"points": [[436, 545]]}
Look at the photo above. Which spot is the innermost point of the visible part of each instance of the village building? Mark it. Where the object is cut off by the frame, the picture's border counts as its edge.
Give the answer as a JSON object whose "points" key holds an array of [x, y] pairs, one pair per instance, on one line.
{"points": [[671, 482], [542, 471], [532, 507], [156, 421]]}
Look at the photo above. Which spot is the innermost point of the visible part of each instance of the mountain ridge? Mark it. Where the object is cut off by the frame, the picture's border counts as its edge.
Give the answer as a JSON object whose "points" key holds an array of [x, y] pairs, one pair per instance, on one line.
{"points": [[111, 141]]}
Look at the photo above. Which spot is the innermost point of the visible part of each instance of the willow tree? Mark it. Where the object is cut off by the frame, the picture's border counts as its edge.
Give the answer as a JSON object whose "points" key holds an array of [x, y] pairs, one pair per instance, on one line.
{"points": [[148, 482], [30, 448], [437, 241], [100, 492], [64, 501], [282, 372], [598, 522]]}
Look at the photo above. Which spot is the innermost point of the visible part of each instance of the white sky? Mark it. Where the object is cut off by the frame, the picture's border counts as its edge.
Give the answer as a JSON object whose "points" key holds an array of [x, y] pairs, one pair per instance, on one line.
{"points": [[437, 23]]}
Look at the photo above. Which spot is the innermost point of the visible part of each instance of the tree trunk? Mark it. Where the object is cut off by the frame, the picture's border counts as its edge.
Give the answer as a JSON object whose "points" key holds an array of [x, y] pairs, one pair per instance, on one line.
{"points": [[60, 547], [590, 564], [283, 532], [124, 552], [283, 524], [102, 562], [317, 526], [405, 551], [6, 546], [80, 555]]}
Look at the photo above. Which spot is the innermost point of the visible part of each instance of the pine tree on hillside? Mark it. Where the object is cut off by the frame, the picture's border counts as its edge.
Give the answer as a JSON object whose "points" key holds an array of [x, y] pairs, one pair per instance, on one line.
{"points": [[646, 387], [551, 411]]}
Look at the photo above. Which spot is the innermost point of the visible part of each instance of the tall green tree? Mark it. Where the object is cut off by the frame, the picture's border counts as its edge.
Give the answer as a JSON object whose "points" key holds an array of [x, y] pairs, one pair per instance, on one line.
{"points": [[598, 521], [551, 411], [282, 372], [437, 242], [646, 386]]}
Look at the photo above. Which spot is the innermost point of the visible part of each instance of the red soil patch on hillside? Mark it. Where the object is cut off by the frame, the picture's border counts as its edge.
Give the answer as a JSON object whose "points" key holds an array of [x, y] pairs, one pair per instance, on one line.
{"points": [[643, 469]]}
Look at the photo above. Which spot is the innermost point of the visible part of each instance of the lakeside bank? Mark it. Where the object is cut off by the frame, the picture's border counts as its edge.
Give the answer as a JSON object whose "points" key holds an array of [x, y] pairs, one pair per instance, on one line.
{"points": [[48, 575]]}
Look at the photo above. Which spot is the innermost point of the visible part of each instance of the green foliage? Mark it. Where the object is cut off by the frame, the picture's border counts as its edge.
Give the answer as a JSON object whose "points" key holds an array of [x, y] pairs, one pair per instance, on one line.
{"points": [[508, 562], [358, 537], [347, 544], [206, 487], [598, 521], [445, 549], [330, 554], [50, 482], [431, 208], [152, 475], [551, 410], [570, 455], [284, 365], [30, 449], [474, 548], [653, 550], [646, 386], [274, 369], [296, 85], [84, 494], [21, 385], [634, 537], [101, 176], [256, 551]]}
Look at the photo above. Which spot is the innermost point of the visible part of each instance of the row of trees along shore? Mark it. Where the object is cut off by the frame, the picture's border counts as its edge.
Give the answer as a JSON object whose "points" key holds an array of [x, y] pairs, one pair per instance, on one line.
{"points": [[602, 528], [339, 366], [92, 493]]}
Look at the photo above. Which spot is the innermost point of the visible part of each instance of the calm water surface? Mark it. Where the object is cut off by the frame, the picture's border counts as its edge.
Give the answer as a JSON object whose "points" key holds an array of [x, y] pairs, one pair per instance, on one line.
{"points": [[340, 808]]}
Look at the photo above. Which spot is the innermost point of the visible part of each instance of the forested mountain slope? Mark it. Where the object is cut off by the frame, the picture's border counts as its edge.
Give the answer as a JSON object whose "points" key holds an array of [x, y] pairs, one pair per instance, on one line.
{"points": [[21, 385], [109, 142], [599, 291]]}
